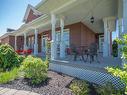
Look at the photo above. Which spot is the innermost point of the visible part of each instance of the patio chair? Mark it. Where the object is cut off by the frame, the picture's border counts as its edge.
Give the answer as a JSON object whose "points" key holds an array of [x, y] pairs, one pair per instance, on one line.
{"points": [[93, 52], [78, 52]]}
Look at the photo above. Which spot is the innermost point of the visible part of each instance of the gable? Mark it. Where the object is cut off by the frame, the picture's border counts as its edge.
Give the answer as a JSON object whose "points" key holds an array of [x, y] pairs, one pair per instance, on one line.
{"points": [[31, 14]]}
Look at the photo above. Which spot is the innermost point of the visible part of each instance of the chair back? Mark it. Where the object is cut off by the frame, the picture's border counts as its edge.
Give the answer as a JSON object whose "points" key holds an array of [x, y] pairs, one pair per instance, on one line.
{"points": [[93, 48]]}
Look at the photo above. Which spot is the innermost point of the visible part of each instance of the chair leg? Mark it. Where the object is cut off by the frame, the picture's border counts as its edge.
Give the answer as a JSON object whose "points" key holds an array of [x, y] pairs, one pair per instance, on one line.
{"points": [[83, 58], [90, 58], [87, 57], [97, 59], [75, 57]]}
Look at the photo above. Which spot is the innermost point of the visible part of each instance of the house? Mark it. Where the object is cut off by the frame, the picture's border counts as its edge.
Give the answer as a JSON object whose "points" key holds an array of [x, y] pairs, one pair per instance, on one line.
{"points": [[70, 22], [8, 38], [74, 19]]}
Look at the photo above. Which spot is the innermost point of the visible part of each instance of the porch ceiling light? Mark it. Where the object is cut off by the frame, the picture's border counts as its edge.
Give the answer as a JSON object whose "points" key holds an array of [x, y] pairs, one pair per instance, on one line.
{"points": [[92, 19]]}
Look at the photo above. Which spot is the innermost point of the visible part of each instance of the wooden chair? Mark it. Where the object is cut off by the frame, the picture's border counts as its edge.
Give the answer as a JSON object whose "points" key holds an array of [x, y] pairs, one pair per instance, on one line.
{"points": [[93, 52]]}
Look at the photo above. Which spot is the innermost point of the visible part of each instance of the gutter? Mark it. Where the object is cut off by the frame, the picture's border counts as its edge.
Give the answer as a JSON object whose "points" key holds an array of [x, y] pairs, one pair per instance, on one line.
{"points": [[40, 4]]}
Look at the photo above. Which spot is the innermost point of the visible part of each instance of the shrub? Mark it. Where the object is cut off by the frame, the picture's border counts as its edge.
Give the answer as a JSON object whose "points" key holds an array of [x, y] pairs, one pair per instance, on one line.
{"points": [[79, 87], [121, 72], [35, 69], [123, 43], [8, 57], [115, 48], [21, 58], [107, 89], [8, 76]]}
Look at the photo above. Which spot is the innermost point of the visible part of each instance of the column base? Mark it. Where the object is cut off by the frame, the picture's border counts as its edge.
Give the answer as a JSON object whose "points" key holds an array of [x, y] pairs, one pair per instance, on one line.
{"points": [[106, 50], [53, 50], [25, 47], [35, 49], [62, 50]]}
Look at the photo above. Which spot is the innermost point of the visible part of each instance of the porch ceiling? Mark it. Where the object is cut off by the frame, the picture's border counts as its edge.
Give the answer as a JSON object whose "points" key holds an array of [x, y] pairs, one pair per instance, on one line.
{"points": [[85, 10], [50, 5]]}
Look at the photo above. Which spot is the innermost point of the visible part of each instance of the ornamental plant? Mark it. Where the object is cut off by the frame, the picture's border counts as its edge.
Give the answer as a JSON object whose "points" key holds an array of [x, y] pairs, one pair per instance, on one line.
{"points": [[115, 48], [79, 87], [34, 69], [121, 72], [107, 89], [8, 57], [8, 76]]}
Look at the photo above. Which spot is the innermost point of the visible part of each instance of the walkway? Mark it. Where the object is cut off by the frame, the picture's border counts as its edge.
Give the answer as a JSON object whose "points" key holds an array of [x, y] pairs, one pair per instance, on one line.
{"points": [[8, 91]]}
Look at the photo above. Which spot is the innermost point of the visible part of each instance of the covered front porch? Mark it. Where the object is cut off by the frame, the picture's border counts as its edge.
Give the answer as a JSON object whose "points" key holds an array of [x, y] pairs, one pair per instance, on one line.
{"points": [[57, 27]]}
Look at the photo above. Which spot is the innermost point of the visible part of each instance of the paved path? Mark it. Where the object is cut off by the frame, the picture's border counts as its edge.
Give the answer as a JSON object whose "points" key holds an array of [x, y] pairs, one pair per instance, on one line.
{"points": [[8, 91]]}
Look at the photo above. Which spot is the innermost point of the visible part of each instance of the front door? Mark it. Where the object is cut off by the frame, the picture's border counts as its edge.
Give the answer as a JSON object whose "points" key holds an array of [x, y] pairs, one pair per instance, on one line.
{"points": [[101, 41]]}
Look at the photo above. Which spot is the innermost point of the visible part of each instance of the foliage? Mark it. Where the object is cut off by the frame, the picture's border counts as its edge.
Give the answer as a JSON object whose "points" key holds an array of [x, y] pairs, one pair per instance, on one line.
{"points": [[35, 69], [21, 58], [123, 43], [8, 57], [79, 87], [8, 76], [121, 72], [107, 89], [115, 48]]}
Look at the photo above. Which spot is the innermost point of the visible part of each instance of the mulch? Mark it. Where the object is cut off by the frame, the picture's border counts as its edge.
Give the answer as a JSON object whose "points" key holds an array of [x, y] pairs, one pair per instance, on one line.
{"points": [[56, 84]]}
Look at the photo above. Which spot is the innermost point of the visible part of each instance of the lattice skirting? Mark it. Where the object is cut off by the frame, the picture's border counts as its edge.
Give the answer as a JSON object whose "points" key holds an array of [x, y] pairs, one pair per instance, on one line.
{"points": [[88, 75]]}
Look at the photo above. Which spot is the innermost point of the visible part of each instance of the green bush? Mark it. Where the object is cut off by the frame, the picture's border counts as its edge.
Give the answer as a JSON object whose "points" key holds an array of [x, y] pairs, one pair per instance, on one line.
{"points": [[115, 48], [21, 58], [8, 76], [8, 57], [79, 87], [35, 69], [121, 72], [107, 89]]}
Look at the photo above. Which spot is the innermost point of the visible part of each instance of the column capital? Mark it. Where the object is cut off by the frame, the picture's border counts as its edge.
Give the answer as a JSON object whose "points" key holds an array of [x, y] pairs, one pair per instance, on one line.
{"points": [[36, 29], [110, 23], [53, 18], [109, 18], [61, 22]]}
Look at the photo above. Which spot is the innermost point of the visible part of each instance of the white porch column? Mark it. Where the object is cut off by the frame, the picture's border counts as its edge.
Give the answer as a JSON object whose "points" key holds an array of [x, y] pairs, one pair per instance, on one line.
{"points": [[109, 26], [53, 42], [125, 16], [120, 30], [36, 42], [62, 45], [15, 42], [124, 22], [25, 45]]}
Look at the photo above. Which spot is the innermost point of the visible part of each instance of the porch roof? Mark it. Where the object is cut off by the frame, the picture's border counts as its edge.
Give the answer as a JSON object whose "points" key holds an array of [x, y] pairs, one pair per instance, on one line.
{"points": [[73, 11]]}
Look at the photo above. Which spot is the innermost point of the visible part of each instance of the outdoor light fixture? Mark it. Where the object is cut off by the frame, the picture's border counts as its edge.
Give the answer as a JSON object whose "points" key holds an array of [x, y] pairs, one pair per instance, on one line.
{"points": [[92, 19]]}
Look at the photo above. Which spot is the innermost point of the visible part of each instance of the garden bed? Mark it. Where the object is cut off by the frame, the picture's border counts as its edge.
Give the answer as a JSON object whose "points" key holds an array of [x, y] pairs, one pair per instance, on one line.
{"points": [[55, 85]]}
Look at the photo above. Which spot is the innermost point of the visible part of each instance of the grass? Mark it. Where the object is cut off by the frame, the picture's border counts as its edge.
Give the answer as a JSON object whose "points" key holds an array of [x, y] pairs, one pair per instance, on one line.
{"points": [[8, 76]]}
